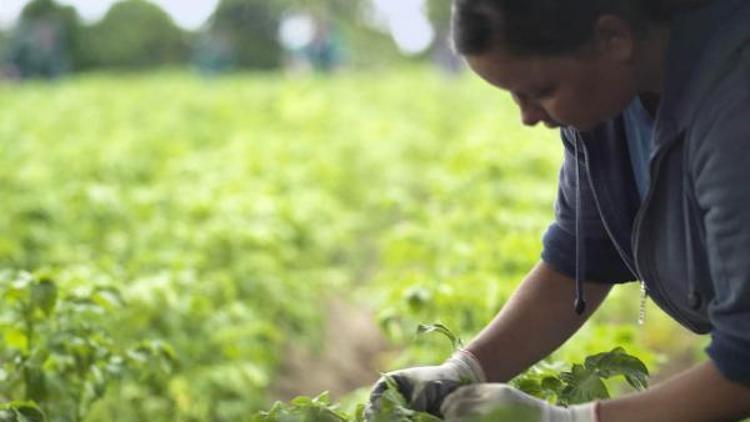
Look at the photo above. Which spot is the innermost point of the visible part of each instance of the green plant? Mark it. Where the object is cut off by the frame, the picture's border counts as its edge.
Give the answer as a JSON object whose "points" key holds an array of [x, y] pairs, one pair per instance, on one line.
{"points": [[56, 352], [225, 219], [302, 408], [21, 411], [394, 408], [582, 383]]}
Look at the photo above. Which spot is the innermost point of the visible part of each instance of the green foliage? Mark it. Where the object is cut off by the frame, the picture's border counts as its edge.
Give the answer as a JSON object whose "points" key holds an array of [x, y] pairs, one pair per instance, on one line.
{"points": [[249, 27], [439, 13], [302, 408], [134, 34], [340, 10], [394, 408], [219, 216], [442, 329], [55, 353], [4, 49], [585, 382], [138, 34], [45, 41], [581, 384], [21, 411]]}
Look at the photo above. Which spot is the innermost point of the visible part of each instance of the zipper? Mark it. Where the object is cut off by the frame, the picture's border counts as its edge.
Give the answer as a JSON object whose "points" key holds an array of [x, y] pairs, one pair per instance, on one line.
{"points": [[634, 267], [665, 300]]}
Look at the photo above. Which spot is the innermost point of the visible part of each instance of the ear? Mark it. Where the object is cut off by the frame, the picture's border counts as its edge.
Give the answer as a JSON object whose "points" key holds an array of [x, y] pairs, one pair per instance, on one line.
{"points": [[614, 38]]}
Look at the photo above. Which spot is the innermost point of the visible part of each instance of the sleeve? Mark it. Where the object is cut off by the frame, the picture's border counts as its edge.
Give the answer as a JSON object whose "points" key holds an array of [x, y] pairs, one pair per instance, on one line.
{"points": [[603, 262], [720, 176]]}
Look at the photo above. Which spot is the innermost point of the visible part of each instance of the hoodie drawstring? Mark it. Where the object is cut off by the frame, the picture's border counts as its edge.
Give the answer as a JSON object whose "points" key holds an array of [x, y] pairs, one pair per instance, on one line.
{"points": [[695, 301], [580, 301]]}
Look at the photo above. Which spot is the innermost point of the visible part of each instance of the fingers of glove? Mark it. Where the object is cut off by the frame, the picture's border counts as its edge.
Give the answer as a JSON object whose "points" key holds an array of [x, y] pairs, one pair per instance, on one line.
{"points": [[403, 383], [378, 389], [491, 399], [419, 395], [431, 397]]}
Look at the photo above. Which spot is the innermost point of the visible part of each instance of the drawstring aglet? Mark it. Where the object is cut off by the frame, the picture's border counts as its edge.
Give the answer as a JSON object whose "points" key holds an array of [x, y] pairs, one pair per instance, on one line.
{"points": [[580, 306]]}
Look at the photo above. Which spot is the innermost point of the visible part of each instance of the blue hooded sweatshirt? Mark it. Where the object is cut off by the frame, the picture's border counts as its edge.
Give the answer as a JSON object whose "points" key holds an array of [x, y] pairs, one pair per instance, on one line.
{"points": [[688, 240]]}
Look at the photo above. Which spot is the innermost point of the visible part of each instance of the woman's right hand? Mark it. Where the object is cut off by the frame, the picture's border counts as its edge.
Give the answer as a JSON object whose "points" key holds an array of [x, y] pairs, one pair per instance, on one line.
{"points": [[425, 387]]}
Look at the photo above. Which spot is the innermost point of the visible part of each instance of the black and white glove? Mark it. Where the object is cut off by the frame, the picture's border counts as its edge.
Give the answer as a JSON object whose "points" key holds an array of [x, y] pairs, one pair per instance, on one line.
{"points": [[425, 387]]}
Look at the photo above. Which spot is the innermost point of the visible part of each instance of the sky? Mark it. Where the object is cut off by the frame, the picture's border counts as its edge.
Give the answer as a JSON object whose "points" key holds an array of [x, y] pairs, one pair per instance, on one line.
{"points": [[407, 23], [404, 18]]}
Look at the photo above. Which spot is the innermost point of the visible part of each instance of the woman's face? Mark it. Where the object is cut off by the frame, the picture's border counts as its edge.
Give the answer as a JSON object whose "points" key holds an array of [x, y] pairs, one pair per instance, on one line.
{"points": [[579, 90]]}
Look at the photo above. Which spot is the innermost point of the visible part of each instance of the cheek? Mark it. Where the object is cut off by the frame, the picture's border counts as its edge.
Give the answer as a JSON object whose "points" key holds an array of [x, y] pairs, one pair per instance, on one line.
{"points": [[611, 90], [589, 100], [565, 107]]}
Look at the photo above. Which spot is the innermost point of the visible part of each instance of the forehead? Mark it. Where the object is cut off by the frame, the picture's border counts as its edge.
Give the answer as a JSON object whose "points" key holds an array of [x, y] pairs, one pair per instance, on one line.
{"points": [[518, 73]]}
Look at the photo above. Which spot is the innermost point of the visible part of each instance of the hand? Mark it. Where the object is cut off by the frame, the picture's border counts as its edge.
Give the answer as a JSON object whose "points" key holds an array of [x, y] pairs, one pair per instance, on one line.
{"points": [[497, 402], [425, 387]]}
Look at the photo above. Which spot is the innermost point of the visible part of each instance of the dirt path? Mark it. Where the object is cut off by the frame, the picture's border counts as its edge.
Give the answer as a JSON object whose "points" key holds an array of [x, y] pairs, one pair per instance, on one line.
{"points": [[352, 342]]}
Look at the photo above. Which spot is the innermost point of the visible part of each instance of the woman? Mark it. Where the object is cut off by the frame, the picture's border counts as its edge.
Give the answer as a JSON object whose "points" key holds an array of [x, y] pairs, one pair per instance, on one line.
{"points": [[653, 98]]}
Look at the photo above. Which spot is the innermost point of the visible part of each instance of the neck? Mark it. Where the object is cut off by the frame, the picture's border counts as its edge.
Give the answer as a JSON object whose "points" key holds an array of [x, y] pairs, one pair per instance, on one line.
{"points": [[650, 59]]}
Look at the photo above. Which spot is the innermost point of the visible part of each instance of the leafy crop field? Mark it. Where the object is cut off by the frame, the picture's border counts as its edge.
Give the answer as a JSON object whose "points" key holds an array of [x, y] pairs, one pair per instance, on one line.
{"points": [[164, 239]]}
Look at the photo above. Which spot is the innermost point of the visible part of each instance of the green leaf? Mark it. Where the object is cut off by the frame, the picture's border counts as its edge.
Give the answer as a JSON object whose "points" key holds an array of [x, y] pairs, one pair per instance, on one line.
{"points": [[582, 385], [529, 386], [323, 398], [44, 295], [107, 297], [618, 362], [424, 329], [301, 401], [16, 338], [425, 417], [359, 413], [392, 394], [417, 297], [552, 384], [36, 383], [18, 289], [21, 411]]}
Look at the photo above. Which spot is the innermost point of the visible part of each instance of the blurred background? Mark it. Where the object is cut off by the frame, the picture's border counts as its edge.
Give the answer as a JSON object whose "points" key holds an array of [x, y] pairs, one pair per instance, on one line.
{"points": [[210, 205], [45, 39]]}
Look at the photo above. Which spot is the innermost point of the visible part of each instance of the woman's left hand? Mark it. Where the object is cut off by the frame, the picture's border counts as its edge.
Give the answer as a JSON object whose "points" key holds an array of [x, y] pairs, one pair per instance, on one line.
{"points": [[499, 402]]}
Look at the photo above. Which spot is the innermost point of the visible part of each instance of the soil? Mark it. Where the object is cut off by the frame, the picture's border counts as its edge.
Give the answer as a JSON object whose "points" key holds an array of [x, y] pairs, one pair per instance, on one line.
{"points": [[352, 343]]}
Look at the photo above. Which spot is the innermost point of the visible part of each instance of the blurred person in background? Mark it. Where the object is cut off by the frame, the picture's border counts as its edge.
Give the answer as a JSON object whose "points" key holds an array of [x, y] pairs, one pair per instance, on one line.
{"points": [[38, 50], [653, 102], [323, 51], [311, 43]]}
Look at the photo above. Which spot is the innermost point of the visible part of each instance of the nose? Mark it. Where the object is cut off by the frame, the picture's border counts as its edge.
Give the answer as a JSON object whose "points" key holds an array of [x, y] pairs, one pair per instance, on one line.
{"points": [[531, 114]]}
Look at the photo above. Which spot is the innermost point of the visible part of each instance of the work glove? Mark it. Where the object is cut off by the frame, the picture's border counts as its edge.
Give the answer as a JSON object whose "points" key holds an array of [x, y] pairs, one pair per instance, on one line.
{"points": [[501, 402], [425, 387]]}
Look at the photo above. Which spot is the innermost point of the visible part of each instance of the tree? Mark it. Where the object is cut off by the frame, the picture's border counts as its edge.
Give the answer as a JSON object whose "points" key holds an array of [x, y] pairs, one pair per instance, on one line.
{"points": [[248, 28], [337, 10], [4, 45], [439, 13], [45, 40], [134, 34]]}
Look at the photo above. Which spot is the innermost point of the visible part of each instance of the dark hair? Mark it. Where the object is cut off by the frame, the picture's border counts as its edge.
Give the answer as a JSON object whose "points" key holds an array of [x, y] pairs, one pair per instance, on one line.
{"points": [[546, 27]]}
